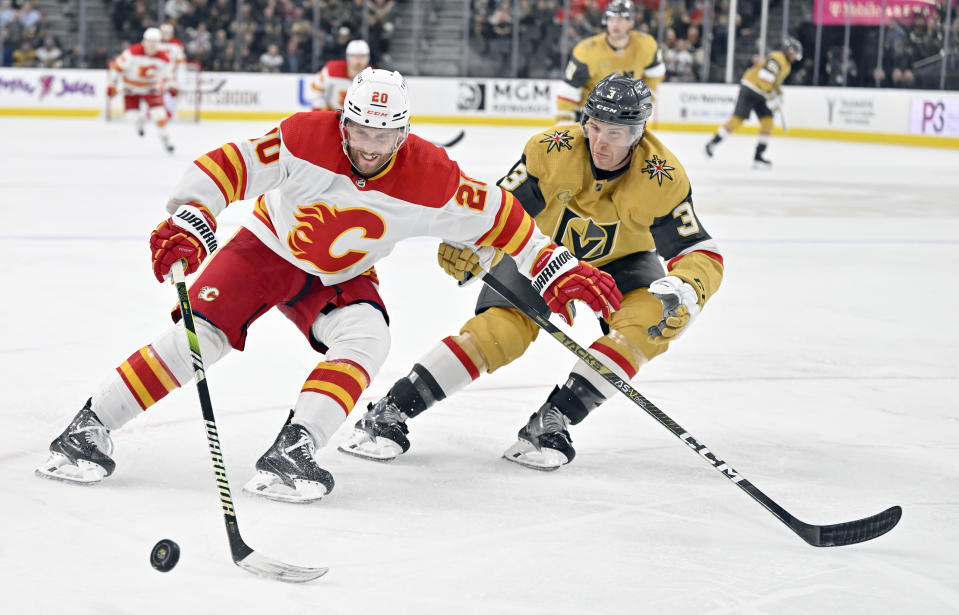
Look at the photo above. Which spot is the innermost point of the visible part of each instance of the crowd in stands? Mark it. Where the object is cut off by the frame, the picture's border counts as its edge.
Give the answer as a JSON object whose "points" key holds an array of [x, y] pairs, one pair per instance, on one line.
{"points": [[266, 35], [543, 26], [277, 36]]}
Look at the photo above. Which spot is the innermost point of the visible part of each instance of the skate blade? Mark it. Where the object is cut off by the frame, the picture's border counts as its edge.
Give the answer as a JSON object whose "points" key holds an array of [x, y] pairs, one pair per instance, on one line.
{"points": [[270, 486], [58, 467], [528, 456], [360, 445], [762, 165]]}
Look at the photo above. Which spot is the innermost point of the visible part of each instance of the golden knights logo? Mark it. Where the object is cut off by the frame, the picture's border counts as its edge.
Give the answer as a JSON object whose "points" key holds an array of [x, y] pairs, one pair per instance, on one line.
{"points": [[658, 169], [557, 140], [587, 240]]}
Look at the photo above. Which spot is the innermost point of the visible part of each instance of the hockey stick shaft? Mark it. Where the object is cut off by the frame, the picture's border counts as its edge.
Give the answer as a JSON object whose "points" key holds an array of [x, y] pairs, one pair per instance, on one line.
{"points": [[243, 556], [238, 548], [816, 535]]}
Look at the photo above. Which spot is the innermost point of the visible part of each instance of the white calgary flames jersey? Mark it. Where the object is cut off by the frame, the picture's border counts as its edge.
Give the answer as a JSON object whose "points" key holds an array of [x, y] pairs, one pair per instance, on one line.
{"points": [[317, 213], [141, 73], [174, 50], [330, 85]]}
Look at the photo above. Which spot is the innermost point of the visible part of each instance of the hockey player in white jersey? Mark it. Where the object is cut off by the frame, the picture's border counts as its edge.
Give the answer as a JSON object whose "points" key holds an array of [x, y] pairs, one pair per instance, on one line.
{"points": [[173, 47], [331, 83], [140, 74], [334, 193]]}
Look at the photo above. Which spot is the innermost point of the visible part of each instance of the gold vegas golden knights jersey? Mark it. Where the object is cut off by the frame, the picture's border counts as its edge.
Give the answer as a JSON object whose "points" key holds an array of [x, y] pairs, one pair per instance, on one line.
{"points": [[768, 76], [593, 58], [645, 206]]}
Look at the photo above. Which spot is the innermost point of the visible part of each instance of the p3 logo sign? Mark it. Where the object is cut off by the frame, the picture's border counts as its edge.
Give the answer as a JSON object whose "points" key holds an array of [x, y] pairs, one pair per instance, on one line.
{"points": [[934, 117]]}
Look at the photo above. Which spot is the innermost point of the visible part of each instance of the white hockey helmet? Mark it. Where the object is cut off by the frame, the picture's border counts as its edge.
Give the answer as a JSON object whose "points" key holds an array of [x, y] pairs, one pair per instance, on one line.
{"points": [[379, 99], [358, 48], [152, 34]]}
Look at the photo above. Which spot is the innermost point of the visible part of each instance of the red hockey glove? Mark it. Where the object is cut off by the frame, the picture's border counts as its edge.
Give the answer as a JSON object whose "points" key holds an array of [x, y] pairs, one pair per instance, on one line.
{"points": [[111, 91], [188, 235], [561, 279], [173, 91]]}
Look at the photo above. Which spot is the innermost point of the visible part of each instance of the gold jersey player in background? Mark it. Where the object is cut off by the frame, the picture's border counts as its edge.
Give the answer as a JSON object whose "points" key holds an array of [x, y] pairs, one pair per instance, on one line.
{"points": [[619, 50], [759, 91], [616, 197]]}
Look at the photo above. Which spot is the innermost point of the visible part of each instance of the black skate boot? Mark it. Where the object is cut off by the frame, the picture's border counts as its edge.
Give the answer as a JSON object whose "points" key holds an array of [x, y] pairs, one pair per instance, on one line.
{"points": [[710, 148], [381, 434], [760, 162], [543, 443], [288, 472], [81, 454]]}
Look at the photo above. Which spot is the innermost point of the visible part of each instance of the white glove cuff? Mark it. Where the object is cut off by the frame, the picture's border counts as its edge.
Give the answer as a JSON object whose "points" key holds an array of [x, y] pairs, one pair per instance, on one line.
{"points": [[559, 262]]}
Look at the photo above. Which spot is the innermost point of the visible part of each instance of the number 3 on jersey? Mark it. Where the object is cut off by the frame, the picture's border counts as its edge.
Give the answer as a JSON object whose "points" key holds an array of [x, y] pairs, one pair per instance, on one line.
{"points": [[515, 178], [684, 211]]}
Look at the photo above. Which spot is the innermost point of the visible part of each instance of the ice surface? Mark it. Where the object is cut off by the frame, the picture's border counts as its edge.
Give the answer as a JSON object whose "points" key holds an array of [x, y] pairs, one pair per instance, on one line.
{"points": [[824, 370]]}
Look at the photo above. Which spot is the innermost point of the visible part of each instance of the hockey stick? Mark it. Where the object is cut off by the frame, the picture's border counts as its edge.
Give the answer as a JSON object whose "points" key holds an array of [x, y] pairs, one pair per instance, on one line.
{"points": [[834, 535], [451, 142], [243, 556]]}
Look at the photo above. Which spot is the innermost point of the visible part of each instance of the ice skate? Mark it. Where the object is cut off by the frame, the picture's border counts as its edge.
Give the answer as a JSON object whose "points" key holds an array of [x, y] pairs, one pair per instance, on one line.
{"points": [[709, 149], [141, 126], [759, 162], [288, 471], [167, 145], [543, 443], [81, 454], [381, 434]]}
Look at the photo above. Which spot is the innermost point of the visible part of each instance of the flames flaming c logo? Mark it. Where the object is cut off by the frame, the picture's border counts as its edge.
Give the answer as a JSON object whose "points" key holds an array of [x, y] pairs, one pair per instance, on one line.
{"points": [[319, 226]]}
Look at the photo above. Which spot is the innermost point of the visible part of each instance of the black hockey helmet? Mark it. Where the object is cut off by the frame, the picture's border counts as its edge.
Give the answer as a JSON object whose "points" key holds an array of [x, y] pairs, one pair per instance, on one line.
{"points": [[793, 46], [619, 99], [619, 8]]}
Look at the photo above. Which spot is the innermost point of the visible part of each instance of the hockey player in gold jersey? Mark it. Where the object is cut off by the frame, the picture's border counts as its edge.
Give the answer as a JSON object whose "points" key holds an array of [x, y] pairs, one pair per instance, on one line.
{"points": [[619, 50], [616, 197], [759, 91]]}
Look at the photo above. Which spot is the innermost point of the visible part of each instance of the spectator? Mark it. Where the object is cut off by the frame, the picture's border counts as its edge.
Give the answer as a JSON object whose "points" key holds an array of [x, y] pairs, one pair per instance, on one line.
{"points": [[6, 50], [7, 13], [879, 78], [49, 54], [29, 16], [336, 48], [25, 56], [680, 63], [173, 9], [841, 70], [199, 43], [908, 79], [271, 61]]}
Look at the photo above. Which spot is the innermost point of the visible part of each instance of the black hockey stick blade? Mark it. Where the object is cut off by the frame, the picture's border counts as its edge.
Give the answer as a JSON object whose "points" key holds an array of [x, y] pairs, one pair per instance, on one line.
{"points": [[451, 142], [263, 566], [849, 533]]}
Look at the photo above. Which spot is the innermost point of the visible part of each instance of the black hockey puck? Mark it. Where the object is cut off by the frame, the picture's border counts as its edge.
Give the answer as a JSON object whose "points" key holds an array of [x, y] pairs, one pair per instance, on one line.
{"points": [[165, 555]]}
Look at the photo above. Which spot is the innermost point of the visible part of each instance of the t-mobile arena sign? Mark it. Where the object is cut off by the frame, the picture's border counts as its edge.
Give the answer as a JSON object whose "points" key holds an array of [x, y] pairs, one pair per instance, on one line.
{"points": [[869, 12]]}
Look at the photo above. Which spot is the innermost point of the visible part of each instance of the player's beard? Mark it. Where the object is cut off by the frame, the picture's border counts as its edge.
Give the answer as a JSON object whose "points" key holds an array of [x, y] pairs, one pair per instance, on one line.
{"points": [[368, 164]]}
